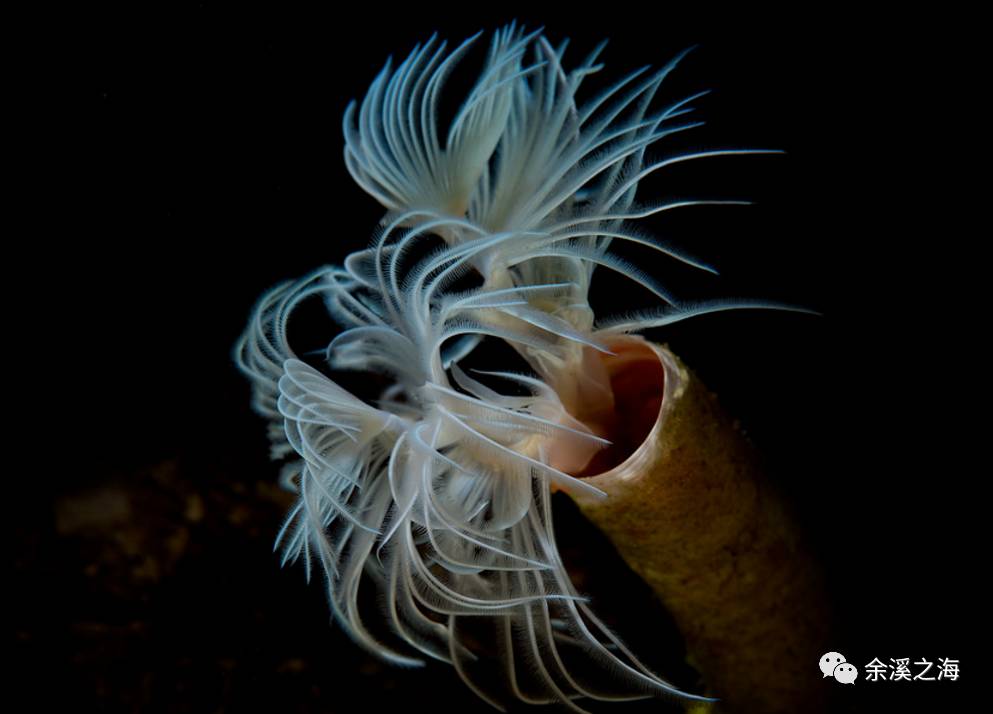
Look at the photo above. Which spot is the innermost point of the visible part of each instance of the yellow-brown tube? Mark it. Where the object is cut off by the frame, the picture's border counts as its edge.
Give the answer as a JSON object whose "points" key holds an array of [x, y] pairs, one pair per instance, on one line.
{"points": [[690, 511]]}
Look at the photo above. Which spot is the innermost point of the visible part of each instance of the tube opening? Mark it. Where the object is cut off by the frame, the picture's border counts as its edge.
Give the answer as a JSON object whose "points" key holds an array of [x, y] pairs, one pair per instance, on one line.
{"points": [[637, 381]]}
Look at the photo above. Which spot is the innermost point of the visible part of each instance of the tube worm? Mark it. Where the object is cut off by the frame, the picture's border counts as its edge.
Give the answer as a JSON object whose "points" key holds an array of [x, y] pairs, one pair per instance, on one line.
{"points": [[691, 512], [437, 494]]}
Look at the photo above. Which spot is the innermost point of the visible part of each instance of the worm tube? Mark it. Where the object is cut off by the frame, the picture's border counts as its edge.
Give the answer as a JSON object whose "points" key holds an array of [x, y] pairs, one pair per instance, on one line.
{"points": [[691, 512]]}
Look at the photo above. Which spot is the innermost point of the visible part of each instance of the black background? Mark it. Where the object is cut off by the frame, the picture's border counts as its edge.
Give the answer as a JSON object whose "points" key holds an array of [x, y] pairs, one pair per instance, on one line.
{"points": [[191, 159]]}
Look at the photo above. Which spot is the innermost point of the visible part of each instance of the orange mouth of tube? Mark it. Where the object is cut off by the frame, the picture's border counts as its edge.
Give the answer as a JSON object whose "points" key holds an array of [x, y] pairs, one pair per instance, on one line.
{"points": [[637, 379]]}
